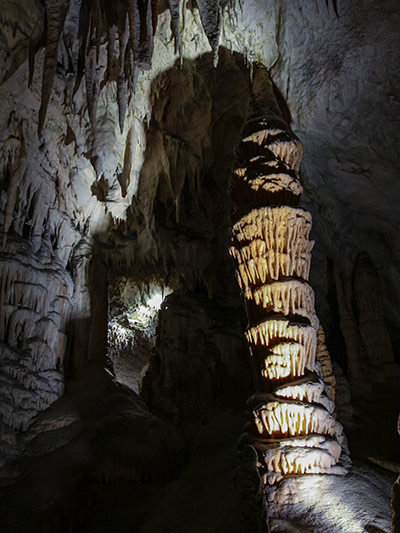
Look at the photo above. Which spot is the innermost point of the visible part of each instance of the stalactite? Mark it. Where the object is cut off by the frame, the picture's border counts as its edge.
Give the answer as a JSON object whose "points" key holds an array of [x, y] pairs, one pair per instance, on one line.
{"points": [[211, 19], [175, 8], [56, 11], [294, 428], [98, 23], [125, 176], [112, 60], [122, 84], [92, 83], [141, 32]]}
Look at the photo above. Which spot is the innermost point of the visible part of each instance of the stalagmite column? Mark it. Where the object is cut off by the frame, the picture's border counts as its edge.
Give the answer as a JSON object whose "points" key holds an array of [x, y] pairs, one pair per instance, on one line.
{"points": [[293, 428]]}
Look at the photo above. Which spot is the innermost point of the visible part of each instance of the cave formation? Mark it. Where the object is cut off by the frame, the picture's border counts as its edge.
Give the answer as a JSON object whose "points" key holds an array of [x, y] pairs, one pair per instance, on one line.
{"points": [[295, 432], [151, 152]]}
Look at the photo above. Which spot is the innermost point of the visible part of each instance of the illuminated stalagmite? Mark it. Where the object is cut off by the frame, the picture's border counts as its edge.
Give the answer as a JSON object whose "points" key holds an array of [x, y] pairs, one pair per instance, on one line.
{"points": [[294, 428]]}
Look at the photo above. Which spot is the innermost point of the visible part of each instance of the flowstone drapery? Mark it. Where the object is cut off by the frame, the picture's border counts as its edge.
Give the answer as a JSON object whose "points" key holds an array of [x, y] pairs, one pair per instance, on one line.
{"points": [[294, 429]]}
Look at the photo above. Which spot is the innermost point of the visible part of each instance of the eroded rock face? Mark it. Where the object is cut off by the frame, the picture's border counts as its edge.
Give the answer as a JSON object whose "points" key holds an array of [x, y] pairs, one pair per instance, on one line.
{"points": [[198, 335], [292, 412], [86, 205], [73, 206], [36, 299]]}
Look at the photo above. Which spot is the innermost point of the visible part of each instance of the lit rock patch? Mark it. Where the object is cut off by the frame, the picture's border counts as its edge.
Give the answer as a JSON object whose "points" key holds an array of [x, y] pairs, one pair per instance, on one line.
{"points": [[293, 427]]}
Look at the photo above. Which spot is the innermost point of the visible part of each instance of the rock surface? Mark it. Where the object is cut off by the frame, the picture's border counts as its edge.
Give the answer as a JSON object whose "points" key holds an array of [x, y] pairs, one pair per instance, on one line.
{"points": [[81, 206]]}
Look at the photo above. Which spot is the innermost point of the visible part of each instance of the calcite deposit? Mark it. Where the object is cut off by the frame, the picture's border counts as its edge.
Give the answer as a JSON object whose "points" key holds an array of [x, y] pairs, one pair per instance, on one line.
{"points": [[127, 179], [295, 430], [35, 301]]}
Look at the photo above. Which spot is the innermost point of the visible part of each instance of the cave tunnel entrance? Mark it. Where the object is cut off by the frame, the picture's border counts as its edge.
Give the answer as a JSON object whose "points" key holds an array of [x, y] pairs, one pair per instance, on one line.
{"points": [[133, 311]]}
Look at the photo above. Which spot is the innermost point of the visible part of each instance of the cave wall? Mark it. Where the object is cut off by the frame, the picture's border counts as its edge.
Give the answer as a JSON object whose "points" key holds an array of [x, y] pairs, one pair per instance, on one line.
{"points": [[340, 118], [84, 204], [73, 198]]}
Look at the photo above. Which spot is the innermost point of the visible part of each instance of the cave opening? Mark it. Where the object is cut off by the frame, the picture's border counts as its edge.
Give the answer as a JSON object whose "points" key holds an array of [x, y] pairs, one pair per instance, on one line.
{"points": [[133, 313]]}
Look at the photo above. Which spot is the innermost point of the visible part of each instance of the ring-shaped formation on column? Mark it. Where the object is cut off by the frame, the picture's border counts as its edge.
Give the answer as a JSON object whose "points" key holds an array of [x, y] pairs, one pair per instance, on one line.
{"points": [[293, 426]]}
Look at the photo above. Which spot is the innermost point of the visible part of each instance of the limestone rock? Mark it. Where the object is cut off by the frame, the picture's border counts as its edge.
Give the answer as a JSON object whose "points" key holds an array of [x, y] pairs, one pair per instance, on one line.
{"points": [[271, 246]]}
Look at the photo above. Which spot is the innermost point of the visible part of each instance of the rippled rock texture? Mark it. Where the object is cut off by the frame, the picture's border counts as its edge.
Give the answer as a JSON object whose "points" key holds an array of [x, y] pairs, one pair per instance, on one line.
{"points": [[117, 135]]}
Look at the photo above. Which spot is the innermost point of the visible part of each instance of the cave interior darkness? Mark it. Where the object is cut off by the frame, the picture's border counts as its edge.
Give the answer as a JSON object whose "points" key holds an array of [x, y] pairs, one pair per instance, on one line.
{"points": [[124, 368]]}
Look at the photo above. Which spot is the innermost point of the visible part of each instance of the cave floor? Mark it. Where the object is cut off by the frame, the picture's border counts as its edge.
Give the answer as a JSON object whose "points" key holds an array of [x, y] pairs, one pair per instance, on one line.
{"points": [[66, 485]]}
